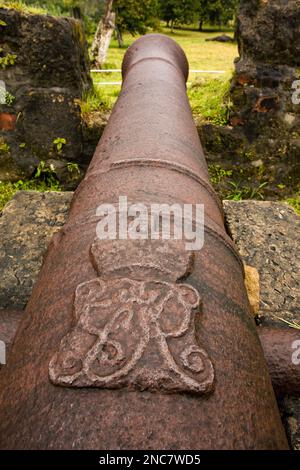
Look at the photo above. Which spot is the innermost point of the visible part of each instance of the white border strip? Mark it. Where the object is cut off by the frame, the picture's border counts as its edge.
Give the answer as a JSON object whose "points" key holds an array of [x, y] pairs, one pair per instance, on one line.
{"points": [[119, 71]]}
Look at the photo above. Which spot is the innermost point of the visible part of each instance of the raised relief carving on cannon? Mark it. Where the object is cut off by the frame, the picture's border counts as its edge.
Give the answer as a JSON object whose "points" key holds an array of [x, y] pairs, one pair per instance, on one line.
{"points": [[133, 329]]}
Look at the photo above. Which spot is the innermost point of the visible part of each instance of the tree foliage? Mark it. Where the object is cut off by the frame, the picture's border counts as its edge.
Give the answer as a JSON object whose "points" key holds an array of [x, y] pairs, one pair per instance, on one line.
{"points": [[205, 11], [91, 8], [177, 11], [135, 15], [216, 11]]}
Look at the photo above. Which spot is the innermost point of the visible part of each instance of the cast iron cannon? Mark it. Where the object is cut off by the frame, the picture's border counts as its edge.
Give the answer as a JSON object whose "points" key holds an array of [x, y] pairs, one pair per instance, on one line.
{"points": [[140, 343]]}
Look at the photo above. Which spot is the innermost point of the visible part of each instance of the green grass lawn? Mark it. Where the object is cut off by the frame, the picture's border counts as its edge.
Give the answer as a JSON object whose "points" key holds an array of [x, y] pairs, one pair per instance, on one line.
{"points": [[201, 55]]}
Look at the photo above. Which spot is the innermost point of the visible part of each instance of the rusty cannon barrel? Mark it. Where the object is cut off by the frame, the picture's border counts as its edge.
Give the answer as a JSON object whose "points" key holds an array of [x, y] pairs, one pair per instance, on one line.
{"points": [[282, 352], [143, 342]]}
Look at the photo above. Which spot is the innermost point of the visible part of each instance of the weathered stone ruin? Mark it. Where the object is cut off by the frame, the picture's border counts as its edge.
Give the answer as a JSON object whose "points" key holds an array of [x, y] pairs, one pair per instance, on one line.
{"points": [[263, 142], [44, 70]]}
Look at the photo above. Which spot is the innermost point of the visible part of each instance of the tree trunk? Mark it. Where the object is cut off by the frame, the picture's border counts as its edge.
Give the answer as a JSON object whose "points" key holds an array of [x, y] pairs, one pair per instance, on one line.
{"points": [[235, 37], [76, 12], [103, 35], [220, 22], [200, 25], [119, 37]]}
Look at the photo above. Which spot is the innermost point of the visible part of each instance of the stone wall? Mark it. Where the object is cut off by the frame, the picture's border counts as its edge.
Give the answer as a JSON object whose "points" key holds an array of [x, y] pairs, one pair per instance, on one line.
{"points": [[45, 70], [262, 144]]}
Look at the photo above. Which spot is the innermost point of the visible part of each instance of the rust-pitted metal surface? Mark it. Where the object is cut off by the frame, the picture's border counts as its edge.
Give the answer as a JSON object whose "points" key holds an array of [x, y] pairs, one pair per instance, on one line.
{"points": [[282, 352], [281, 347], [182, 367], [9, 321]]}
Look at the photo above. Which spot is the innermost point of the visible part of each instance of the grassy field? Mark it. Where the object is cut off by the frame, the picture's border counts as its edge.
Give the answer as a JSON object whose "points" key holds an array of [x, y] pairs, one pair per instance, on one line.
{"points": [[202, 55]]}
